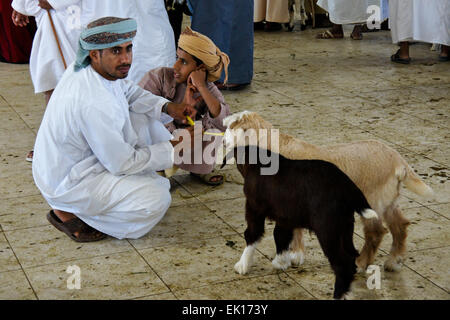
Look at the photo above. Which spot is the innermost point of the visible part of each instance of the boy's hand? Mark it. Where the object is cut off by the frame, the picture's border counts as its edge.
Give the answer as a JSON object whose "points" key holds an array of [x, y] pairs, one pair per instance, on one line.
{"points": [[197, 78], [45, 5], [189, 95], [19, 19]]}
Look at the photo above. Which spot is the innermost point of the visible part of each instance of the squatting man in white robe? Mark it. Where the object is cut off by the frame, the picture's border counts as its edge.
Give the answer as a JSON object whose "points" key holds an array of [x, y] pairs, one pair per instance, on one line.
{"points": [[101, 141]]}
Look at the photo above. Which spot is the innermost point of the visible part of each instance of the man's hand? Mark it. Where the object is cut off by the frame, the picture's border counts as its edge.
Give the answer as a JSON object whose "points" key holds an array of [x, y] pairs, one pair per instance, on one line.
{"points": [[19, 19], [179, 111], [45, 5]]}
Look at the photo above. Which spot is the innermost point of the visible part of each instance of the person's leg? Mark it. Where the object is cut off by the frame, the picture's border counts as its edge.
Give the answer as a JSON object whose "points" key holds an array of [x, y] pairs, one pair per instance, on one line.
{"points": [[137, 204], [47, 96], [404, 50], [444, 56], [402, 54], [357, 32]]}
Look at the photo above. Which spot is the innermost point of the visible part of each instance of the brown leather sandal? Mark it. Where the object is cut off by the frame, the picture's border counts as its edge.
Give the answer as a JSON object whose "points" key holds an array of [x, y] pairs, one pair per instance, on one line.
{"points": [[85, 232]]}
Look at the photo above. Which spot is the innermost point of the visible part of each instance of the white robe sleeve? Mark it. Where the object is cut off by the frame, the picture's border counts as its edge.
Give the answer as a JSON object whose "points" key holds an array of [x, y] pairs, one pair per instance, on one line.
{"points": [[102, 130], [26, 7], [62, 4], [143, 101]]}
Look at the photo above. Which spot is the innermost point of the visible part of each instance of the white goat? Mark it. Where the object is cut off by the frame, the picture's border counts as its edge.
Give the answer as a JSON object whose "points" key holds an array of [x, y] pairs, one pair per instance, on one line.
{"points": [[375, 168]]}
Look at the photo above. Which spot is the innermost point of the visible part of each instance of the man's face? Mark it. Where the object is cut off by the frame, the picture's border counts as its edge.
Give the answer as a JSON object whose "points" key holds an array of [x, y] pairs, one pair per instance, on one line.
{"points": [[113, 63], [184, 65]]}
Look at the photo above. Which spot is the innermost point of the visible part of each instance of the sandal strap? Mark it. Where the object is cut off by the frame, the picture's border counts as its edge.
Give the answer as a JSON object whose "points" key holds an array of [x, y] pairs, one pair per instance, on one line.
{"points": [[76, 225]]}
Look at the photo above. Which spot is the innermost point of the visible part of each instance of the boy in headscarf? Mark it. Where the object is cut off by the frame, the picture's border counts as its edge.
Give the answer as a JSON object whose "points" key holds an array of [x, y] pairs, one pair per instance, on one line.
{"points": [[199, 63]]}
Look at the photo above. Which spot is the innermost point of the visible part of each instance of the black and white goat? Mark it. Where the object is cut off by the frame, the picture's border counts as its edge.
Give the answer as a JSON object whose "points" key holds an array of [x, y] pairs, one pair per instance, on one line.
{"points": [[311, 194]]}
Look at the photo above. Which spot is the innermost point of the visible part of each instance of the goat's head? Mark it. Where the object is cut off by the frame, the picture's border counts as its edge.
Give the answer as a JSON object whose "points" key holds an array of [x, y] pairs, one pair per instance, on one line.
{"points": [[244, 128]]}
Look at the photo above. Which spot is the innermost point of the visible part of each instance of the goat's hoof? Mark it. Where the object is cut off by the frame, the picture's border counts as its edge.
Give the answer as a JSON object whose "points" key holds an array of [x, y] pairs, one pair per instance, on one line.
{"points": [[361, 267], [393, 265], [241, 267], [297, 258], [347, 296], [281, 262], [361, 270]]}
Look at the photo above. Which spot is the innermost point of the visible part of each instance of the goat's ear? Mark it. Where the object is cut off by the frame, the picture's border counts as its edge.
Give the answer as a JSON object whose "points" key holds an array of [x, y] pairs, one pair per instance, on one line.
{"points": [[228, 156]]}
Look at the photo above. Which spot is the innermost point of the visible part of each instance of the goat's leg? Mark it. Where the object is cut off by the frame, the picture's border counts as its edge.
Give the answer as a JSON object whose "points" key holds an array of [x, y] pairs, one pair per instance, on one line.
{"points": [[253, 233], [397, 224], [283, 237], [337, 247], [373, 234], [297, 248]]}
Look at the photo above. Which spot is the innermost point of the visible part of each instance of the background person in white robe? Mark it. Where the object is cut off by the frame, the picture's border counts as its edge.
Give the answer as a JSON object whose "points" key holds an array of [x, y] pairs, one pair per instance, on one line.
{"points": [[419, 20], [101, 141], [154, 45], [46, 62], [347, 12]]}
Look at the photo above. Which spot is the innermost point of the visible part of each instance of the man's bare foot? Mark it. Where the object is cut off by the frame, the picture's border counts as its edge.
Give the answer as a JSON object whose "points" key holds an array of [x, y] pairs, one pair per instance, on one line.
{"points": [[65, 216], [74, 227]]}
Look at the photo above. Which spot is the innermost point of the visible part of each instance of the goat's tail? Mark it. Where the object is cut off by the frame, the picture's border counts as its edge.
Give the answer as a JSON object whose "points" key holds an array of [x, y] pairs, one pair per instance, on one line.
{"points": [[413, 182], [368, 213]]}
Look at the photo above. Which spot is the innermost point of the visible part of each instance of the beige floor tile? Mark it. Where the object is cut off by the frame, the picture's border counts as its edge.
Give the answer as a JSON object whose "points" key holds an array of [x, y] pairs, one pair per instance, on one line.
{"points": [[199, 263], [46, 245], [271, 287], [161, 296], [319, 281], [23, 212], [14, 286], [205, 193], [231, 211], [19, 185], [184, 224], [431, 265], [8, 260], [117, 276], [442, 209], [12, 162]]}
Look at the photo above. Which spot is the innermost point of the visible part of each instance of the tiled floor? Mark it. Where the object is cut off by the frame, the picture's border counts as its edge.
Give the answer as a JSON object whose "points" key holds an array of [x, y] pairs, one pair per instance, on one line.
{"points": [[324, 91]]}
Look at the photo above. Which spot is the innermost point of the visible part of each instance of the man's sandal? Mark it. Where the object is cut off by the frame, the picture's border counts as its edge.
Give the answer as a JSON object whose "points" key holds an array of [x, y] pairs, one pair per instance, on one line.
{"points": [[396, 58], [329, 35], [206, 178], [70, 227], [30, 155]]}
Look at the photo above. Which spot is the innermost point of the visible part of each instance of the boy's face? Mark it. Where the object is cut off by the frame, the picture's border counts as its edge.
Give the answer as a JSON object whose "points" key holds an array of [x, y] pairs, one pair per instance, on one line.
{"points": [[184, 65]]}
